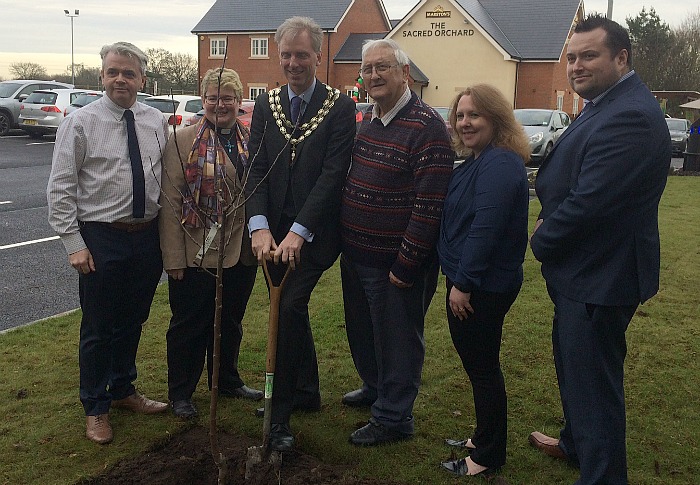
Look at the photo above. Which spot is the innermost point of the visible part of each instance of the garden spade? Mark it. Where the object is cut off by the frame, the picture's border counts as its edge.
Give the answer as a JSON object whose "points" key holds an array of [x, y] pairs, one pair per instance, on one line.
{"points": [[258, 454]]}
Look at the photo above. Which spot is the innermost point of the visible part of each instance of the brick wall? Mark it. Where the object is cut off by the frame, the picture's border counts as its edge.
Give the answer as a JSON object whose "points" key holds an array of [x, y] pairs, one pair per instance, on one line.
{"points": [[363, 16]]}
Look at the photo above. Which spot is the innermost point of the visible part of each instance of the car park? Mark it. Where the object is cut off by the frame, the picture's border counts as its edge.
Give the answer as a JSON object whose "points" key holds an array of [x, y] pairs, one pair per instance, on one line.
{"points": [[42, 111], [176, 108], [543, 128], [679, 130], [12, 93]]}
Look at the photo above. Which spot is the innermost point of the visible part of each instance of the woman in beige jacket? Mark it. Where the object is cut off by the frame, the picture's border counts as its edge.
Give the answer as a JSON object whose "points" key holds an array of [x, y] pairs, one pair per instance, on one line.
{"points": [[198, 159]]}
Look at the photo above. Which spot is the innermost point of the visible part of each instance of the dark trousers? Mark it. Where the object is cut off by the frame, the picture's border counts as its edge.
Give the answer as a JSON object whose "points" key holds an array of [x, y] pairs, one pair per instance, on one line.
{"points": [[296, 382], [115, 300], [478, 343], [589, 354], [384, 325], [190, 336]]}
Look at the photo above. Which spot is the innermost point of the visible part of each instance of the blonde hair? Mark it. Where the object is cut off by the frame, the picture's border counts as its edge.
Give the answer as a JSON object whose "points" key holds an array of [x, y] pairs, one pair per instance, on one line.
{"points": [[492, 105], [228, 79]]}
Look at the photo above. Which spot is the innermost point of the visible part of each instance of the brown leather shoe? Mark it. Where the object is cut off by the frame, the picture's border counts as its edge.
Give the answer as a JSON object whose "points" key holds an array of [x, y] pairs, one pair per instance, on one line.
{"points": [[98, 429], [547, 445], [139, 403]]}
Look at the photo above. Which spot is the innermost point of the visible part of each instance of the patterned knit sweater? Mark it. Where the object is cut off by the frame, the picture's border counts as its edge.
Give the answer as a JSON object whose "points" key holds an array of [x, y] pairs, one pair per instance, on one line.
{"points": [[394, 192]]}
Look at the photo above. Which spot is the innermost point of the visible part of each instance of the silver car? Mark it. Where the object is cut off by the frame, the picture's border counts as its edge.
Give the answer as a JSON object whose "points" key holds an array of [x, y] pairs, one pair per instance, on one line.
{"points": [[12, 93], [543, 127], [42, 111]]}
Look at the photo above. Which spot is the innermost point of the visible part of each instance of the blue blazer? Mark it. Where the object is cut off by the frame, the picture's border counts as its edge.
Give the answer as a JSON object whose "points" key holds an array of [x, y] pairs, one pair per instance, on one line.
{"points": [[483, 235], [600, 189]]}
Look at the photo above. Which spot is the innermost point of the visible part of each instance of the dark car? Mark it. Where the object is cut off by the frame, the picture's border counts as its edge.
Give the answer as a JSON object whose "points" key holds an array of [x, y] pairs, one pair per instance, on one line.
{"points": [[543, 128], [360, 110], [679, 130]]}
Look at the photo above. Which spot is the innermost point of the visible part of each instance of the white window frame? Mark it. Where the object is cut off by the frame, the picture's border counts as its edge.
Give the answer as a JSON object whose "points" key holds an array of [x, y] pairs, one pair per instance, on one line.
{"points": [[574, 108], [259, 47], [560, 100], [217, 47], [255, 91]]}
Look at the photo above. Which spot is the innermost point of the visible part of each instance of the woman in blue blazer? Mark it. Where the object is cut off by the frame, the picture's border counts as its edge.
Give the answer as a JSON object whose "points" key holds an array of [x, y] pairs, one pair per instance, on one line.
{"points": [[482, 247]]}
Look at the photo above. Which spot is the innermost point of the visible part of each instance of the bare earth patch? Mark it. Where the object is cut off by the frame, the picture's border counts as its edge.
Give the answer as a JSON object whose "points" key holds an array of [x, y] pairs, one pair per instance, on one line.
{"points": [[186, 459]]}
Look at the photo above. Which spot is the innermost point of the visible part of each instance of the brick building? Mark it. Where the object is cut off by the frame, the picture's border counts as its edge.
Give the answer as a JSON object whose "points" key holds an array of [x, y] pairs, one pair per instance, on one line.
{"points": [[518, 46]]}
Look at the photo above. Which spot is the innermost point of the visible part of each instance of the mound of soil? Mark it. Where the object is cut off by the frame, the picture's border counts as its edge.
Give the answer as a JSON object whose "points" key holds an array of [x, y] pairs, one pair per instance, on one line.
{"points": [[186, 459]]}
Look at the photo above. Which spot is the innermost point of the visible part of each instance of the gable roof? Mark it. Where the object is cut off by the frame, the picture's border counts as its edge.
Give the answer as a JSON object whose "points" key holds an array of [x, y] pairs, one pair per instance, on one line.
{"points": [[266, 15], [525, 30], [351, 50]]}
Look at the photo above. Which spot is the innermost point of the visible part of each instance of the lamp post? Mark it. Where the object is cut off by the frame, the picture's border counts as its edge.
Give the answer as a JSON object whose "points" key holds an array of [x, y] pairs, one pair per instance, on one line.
{"points": [[72, 62]]}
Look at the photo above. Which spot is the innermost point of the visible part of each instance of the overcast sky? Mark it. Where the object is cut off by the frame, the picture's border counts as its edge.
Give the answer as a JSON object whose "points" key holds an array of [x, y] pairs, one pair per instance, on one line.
{"points": [[40, 32]]}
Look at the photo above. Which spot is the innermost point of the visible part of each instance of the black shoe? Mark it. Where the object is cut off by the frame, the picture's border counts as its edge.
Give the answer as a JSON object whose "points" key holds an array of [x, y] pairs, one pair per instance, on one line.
{"points": [[281, 438], [357, 399], [243, 392], [464, 444], [374, 433], [460, 468], [184, 409], [311, 407]]}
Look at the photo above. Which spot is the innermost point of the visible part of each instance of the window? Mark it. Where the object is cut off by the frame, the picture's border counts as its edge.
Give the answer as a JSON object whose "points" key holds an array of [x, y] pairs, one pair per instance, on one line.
{"points": [[218, 46], [350, 92], [258, 47], [256, 91], [574, 109], [560, 100]]}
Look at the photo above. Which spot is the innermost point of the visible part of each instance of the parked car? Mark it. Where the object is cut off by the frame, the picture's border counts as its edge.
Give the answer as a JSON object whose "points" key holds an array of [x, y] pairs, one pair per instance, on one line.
{"points": [[87, 98], [175, 108], [360, 110], [543, 127], [81, 100], [42, 111], [445, 113], [12, 93], [680, 131]]}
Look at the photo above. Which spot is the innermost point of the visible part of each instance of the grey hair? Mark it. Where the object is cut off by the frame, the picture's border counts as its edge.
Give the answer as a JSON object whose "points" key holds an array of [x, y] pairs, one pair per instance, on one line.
{"points": [[125, 49], [400, 56], [295, 25]]}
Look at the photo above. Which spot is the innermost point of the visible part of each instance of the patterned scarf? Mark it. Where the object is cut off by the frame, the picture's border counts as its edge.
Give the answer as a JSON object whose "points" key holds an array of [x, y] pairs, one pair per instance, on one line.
{"points": [[205, 165]]}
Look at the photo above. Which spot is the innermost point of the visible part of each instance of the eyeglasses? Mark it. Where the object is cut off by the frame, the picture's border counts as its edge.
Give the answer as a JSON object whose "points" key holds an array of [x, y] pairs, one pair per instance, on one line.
{"points": [[380, 69], [226, 100]]}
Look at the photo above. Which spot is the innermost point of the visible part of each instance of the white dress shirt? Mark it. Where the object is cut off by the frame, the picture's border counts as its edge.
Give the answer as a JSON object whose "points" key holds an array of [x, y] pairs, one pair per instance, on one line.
{"points": [[91, 177]]}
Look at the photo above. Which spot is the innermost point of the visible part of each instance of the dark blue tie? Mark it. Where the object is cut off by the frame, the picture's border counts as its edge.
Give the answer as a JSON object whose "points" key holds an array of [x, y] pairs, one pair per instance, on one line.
{"points": [[138, 181], [295, 109]]}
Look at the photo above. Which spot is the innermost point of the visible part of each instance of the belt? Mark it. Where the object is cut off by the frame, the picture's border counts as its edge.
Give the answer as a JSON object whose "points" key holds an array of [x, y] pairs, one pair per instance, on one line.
{"points": [[125, 226]]}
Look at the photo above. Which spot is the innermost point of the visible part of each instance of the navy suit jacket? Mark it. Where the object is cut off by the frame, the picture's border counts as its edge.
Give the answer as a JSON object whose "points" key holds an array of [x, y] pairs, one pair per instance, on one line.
{"points": [[600, 189], [316, 177]]}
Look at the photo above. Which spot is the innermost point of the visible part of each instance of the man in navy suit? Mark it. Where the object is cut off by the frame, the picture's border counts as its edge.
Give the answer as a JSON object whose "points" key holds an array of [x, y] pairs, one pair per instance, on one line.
{"points": [[300, 146], [597, 238]]}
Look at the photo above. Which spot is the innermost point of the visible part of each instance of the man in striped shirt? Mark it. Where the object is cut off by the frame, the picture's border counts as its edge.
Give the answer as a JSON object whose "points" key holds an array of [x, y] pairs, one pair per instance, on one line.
{"points": [[392, 203], [103, 202]]}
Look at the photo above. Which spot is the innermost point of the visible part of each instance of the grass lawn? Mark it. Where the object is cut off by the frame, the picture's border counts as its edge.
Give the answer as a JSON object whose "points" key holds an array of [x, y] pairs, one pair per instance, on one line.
{"points": [[42, 429]]}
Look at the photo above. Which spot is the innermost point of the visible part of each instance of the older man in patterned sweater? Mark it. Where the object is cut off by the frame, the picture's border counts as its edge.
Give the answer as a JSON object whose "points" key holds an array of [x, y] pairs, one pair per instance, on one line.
{"points": [[392, 203]]}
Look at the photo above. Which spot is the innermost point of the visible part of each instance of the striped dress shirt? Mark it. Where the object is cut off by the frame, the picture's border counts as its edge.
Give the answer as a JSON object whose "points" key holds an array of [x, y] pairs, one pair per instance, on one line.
{"points": [[91, 177]]}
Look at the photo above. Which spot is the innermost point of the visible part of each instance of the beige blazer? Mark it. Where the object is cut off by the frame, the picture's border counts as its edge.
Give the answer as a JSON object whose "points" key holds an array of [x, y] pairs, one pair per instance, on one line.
{"points": [[180, 245]]}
